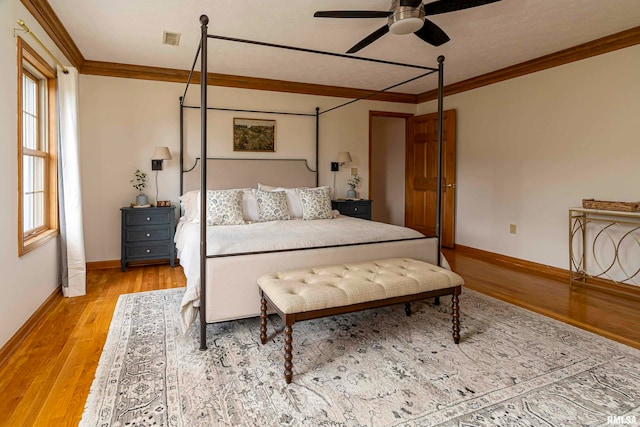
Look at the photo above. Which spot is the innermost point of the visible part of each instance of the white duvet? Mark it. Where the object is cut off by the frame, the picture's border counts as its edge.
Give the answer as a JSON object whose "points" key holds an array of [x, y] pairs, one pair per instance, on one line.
{"points": [[272, 235]]}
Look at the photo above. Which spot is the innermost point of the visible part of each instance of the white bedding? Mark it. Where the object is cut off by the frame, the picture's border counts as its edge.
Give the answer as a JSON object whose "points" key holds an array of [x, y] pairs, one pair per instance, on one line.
{"points": [[272, 235]]}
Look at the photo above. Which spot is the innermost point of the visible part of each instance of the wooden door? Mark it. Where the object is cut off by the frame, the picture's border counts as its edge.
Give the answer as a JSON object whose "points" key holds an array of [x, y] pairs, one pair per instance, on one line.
{"points": [[422, 174]]}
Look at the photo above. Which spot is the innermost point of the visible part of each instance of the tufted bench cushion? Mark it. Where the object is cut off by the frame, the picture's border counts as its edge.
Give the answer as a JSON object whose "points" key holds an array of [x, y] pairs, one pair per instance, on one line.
{"points": [[316, 292], [298, 291]]}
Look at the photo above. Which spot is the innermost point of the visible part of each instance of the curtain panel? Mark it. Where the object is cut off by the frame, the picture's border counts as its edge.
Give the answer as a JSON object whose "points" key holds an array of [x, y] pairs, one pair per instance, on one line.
{"points": [[74, 270]]}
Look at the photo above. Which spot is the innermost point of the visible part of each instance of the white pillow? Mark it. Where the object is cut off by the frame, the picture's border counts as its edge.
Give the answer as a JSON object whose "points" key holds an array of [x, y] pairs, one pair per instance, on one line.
{"points": [[272, 205], [263, 187], [249, 205], [316, 203], [224, 207], [293, 199], [190, 204]]}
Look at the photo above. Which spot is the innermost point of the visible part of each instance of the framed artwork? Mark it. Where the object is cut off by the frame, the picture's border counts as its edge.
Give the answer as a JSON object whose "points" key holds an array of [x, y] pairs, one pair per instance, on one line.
{"points": [[254, 135]]}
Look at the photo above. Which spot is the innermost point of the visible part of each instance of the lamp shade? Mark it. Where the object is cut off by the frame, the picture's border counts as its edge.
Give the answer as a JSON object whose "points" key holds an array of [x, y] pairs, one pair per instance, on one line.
{"points": [[344, 157], [161, 153]]}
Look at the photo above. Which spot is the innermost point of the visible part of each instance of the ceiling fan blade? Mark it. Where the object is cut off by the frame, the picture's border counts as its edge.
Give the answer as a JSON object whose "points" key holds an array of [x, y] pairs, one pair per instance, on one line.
{"points": [[432, 34], [369, 39], [352, 14], [410, 3], [444, 6]]}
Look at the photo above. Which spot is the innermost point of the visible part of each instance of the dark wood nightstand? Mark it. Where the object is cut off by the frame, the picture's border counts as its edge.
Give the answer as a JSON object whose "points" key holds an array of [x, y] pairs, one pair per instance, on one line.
{"points": [[354, 208], [147, 234]]}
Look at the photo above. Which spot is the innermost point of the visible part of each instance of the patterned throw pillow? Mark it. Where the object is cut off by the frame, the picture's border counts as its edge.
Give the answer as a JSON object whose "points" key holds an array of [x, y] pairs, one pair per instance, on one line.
{"points": [[316, 203], [272, 205], [224, 207]]}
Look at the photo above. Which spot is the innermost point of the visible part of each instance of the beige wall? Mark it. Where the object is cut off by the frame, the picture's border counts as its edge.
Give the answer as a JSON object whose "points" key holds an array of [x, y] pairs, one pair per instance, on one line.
{"points": [[531, 147], [122, 120], [387, 163], [26, 281]]}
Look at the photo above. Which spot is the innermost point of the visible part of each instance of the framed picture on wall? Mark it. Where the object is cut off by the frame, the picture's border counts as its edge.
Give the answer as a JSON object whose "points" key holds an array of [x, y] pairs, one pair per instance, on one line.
{"points": [[254, 135]]}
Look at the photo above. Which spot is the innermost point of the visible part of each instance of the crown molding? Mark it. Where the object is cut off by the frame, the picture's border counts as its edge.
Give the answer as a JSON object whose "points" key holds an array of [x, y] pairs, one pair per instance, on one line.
{"points": [[46, 17], [596, 47], [49, 21], [111, 69]]}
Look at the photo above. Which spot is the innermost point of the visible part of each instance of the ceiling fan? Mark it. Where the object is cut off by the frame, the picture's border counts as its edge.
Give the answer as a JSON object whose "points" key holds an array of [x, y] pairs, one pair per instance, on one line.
{"points": [[406, 16]]}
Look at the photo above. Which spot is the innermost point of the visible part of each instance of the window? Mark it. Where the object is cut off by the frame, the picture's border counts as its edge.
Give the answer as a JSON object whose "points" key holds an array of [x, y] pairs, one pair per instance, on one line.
{"points": [[37, 140]]}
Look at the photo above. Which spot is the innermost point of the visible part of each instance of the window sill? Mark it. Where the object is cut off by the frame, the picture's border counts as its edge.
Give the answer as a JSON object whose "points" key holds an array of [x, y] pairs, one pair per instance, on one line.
{"points": [[37, 241]]}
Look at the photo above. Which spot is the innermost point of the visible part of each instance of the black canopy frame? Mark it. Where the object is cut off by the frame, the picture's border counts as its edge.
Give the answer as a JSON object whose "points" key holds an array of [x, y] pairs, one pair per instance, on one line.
{"points": [[202, 52]]}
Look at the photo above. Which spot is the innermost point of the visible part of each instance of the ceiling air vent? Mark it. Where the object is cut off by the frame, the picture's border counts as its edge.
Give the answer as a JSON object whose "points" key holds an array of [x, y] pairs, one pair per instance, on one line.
{"points": [[172, 39]]}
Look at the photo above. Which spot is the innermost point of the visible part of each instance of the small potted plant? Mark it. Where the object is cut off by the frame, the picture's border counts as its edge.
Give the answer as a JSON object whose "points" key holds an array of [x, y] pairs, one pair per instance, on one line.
{"points": [[139, 182], [353, 183]]}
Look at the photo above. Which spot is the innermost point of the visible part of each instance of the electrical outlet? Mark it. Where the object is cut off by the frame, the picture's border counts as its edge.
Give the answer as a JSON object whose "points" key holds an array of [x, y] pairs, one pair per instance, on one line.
{"points": [[512, 228], [354, 171]]}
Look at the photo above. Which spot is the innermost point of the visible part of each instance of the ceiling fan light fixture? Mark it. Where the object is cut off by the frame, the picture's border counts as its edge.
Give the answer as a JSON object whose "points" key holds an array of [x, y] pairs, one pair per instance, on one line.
{"points": [[406, 20]]}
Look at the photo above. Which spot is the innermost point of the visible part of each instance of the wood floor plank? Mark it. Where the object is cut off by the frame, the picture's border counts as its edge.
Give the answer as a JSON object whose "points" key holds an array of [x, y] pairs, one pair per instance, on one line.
{"points": [[46, 381], [611, 315]]}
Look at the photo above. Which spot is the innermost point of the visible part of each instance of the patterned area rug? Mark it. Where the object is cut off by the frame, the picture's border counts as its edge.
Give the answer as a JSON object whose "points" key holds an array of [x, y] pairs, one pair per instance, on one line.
{"points": [[372, 368]]}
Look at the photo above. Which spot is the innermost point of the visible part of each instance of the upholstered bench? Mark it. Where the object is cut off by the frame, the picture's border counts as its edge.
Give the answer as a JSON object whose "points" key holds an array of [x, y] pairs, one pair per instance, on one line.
{"points": [[317, 292]]}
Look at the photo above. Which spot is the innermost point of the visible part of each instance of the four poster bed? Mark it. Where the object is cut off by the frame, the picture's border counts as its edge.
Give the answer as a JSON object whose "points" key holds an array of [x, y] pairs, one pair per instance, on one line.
{"points": [[223, 258]]}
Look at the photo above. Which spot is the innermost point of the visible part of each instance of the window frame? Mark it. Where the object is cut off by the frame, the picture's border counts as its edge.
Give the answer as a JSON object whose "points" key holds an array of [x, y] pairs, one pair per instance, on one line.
{"points": [[31, 63]]}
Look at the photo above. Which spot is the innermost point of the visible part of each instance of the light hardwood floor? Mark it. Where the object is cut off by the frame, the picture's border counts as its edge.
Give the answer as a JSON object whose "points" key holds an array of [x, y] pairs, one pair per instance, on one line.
{"points": [[47, 380]]}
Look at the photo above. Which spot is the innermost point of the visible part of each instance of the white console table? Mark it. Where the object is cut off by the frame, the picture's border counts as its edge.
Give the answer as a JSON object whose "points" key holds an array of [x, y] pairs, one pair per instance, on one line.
{"points": [[604, 244]]}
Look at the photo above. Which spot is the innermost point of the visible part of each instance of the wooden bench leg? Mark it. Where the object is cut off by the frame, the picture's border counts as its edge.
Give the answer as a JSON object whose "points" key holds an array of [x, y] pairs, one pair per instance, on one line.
{"points": [[263, 320], [407, 308], [288, 348], [436, 301], [456, 317]]}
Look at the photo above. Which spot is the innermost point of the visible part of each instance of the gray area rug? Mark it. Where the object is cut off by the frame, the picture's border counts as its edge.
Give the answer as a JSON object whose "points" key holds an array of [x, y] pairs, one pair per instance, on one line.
{"points": [[372, 368]]}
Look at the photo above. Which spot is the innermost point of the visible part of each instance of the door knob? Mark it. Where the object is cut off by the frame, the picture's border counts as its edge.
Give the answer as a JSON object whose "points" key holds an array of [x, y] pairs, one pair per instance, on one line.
{"points": [[449, 185]]}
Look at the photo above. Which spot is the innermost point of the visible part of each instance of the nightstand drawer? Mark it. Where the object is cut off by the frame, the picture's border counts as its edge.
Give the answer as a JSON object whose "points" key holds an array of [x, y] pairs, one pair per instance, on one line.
{"points": [[355, 208], [150, 251], [150, 217], [147, 234]]}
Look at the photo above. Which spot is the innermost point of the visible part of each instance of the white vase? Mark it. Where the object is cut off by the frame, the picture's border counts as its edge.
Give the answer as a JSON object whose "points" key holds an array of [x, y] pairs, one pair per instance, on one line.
{"points": [[141, 199], [351, 193]]}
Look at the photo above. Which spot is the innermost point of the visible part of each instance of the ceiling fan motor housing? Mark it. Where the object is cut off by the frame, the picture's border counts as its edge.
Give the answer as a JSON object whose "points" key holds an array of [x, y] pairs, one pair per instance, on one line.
{"points": [[405, 19]]}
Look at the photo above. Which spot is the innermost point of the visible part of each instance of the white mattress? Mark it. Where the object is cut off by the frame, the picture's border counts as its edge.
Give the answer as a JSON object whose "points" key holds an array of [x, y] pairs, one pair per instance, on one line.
{"points": [[265, 236]]}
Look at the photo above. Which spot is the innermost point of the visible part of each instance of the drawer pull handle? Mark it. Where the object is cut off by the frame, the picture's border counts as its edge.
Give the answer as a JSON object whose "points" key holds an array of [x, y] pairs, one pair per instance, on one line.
{"points": [[355, 209], [148, 219], [148, 250], [148, 234]]}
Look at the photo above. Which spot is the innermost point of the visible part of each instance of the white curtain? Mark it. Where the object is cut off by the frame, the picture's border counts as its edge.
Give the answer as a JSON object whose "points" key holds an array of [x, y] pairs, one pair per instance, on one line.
{"points": [[74, 270]]}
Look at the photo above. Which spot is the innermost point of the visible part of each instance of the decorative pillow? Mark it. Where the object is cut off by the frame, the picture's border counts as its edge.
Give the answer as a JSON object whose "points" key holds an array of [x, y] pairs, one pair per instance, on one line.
{"points": [[316, 203], [272, 205], [224, 207]]}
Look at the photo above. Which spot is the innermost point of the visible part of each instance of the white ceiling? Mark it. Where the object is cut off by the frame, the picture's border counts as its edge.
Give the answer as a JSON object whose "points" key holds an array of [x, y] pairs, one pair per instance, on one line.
{"points": [[483, 39]]}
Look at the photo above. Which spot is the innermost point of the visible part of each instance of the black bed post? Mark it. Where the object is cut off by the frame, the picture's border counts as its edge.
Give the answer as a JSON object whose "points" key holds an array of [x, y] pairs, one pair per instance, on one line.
{"points": [[181, 144], [439, 180], [317, 146], [204, 20]]}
